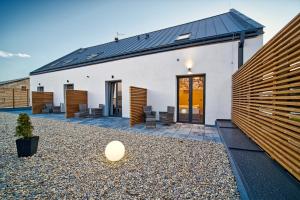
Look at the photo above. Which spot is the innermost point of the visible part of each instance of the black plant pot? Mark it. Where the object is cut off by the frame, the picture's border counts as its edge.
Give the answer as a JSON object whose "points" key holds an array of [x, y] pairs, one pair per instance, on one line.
{"points": [[27, 147]]}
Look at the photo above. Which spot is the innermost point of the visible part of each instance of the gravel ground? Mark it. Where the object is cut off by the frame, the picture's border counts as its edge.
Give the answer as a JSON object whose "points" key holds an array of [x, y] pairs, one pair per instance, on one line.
{"points": [[70, 164]]}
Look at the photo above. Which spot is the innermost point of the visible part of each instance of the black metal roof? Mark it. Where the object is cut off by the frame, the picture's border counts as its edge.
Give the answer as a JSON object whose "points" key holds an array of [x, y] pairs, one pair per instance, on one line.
{"points": [[13, 80], [226, 26]]}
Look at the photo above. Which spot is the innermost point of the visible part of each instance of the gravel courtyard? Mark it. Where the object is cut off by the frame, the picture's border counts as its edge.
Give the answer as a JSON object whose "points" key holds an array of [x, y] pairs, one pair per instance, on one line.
{"points": [[70, 164]]}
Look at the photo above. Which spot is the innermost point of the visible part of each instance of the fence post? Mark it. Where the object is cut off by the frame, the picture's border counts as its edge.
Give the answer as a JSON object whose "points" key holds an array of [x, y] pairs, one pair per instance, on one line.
{"points": [[13, 97], [27, 91]]}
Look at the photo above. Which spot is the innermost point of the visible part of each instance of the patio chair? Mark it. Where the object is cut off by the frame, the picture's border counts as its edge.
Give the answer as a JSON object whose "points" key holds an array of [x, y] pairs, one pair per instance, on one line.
{"points": [[48, 108], [150, 117], [56, 109], [167, 118], [83, 111], [97, 112]]}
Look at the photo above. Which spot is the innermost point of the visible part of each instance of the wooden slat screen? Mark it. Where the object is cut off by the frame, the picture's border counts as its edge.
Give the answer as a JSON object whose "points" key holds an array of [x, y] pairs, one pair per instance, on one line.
{"points": [[14, 97], [73, 99], [138, 99], [39, 99], [266, 97]]}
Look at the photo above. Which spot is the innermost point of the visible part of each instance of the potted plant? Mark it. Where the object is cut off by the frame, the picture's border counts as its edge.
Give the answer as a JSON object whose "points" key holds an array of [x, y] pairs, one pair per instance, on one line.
{"points": [[27, 143]]}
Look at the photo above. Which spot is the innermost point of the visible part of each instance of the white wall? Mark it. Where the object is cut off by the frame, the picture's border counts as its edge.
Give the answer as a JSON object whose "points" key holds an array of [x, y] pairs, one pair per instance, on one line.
{"points": [[251, 46], [157, 73]]}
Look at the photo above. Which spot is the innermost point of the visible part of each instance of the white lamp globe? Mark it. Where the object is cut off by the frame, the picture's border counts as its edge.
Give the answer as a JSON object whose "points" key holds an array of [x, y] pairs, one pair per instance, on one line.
{"points": [[114, 151]]}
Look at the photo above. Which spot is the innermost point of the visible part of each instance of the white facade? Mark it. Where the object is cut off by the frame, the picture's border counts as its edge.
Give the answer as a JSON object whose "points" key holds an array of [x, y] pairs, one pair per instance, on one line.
{"points": [[157, 72]]}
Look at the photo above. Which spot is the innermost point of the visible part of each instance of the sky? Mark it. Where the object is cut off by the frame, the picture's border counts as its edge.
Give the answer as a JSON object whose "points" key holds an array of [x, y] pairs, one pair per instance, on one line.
{"points": [[34, 33]]}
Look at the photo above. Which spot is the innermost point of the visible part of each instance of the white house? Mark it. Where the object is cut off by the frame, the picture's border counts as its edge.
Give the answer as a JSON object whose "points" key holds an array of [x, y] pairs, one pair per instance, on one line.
{"points": [[188, 66]]}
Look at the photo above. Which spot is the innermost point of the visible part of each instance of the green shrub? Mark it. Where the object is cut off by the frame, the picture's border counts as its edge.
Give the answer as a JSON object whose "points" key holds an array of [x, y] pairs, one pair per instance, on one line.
{"points": [[24, 127]]}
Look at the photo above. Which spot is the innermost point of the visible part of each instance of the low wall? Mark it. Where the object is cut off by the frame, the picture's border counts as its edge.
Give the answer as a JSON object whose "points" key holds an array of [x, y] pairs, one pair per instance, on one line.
{"points": [[138, 99], [39, 99], [73, 99]]}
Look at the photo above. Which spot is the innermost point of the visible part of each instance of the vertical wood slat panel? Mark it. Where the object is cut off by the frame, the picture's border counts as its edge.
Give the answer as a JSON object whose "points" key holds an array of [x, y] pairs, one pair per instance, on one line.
{"points": [[13, 97], [138, 99], [73, 99], [266, 97], [39, 99]]}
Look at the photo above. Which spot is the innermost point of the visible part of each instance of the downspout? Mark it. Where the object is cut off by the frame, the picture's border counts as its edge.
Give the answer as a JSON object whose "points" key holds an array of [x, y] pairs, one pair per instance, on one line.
{"points": [[241, 49]]}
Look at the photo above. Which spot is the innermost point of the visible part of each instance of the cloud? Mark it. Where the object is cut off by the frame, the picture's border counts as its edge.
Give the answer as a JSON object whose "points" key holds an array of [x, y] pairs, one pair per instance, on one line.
{"points": [[5, 54]]}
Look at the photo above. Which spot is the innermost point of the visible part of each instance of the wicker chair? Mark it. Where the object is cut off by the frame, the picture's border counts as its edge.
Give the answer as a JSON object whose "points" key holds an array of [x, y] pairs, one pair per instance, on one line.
{"points": [[150, 117], [83, 111], [97, 112], [56, 109], [167, 118], [48, 108]]}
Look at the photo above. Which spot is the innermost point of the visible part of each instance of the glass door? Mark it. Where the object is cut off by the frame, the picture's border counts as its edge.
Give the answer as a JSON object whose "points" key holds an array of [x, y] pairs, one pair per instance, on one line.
{"points": [[184, 99], [115, 98], [191, 99]]}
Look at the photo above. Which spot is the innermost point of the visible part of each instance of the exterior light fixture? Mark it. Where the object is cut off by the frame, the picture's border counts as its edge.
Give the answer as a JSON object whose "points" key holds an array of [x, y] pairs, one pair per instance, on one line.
{"points": [[114, 151], [189, 64], [88, 76]]}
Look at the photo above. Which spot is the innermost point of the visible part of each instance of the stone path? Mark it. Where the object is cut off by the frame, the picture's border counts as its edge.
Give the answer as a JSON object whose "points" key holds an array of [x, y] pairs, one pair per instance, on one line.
{"points": [[178, 130]]}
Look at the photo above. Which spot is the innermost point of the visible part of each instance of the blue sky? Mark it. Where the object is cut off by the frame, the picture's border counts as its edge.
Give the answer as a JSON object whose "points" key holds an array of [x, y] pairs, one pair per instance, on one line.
{"points": [[34, 33]]}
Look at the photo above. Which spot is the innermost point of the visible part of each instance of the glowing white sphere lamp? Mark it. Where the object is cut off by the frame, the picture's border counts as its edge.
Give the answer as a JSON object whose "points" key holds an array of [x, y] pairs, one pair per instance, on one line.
{"points": [[114, 151]]}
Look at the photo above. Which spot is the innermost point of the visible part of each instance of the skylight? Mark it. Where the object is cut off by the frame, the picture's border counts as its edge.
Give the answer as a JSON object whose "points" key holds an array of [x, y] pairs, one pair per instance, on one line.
{"points": [[68, 61], [92, 56], [53, 64], [183, 36]]}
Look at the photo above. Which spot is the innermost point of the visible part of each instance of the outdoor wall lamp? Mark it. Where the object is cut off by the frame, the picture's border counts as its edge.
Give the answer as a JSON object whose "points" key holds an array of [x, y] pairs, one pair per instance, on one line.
{"points": [[189, 65]]}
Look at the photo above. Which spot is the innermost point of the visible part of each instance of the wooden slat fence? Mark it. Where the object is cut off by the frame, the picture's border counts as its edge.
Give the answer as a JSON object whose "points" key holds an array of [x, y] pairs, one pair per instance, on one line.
{"points": [[266, 97], [138, 99], [39, 99], [73, 99], [14, 97]]}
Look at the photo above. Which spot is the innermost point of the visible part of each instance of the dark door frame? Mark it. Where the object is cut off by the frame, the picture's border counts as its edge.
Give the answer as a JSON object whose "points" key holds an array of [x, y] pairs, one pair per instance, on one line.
{"points": [[190, 76], [110, 100]]}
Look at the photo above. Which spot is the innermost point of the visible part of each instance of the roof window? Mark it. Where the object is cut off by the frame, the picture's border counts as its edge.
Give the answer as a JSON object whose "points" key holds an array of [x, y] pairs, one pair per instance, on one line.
{"points": [[55, 63], [183, 36], [92, 56], [68, 61]]}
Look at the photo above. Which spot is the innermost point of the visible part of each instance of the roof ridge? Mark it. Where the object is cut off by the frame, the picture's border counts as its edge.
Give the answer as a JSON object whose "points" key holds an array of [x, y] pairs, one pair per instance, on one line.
{"points": [[161, 29]]}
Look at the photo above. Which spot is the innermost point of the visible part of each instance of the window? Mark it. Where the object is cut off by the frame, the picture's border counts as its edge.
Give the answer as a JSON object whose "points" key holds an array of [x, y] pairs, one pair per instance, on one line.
{"points": [[92, 56], [40, 89], [68, 61], [55, 63], [183, 36], [23, 88]]}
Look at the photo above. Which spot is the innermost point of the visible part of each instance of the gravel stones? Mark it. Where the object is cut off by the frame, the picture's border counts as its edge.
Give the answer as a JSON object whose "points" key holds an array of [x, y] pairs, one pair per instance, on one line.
{"points": [[70, 163]]}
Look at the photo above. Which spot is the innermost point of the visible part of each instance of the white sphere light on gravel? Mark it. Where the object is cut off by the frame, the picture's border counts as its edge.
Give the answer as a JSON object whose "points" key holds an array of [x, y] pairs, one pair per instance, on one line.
{"points": [[114, 151]]}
